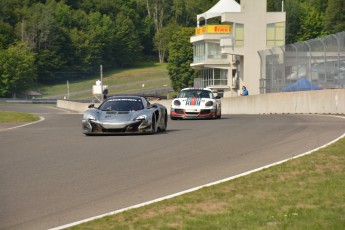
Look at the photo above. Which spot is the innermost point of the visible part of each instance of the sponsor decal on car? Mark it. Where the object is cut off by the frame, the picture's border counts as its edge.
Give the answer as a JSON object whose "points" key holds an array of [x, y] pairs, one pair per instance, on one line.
{"points": [[193, 101]]}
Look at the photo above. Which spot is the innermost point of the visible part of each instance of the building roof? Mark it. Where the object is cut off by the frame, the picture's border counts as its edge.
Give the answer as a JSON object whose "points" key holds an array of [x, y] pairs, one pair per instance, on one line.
{"points": [[223, 6]]}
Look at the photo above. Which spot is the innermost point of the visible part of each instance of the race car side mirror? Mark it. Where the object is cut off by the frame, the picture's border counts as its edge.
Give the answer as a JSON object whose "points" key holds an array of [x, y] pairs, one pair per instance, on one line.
{"points": [[91, 106]]}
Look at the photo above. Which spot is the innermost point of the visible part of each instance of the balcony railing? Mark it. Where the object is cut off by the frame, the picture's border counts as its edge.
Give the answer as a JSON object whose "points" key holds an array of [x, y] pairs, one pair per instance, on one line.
{"points": [[210, 57], [213, 82]]}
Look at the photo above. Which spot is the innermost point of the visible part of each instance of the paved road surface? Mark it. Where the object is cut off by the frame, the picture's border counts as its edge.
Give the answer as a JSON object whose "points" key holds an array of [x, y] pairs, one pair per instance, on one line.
{"points": [[51, 174]]}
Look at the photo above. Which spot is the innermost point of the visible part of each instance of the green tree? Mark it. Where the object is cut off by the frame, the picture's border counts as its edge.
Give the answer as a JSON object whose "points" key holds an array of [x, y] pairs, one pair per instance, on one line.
{"points": [[90, 38], [159, 12], [335, 16], [82, 62], [293, 24], [185, 11], [37, 26], [17, 69], [9, 11], [126, 46], [80, 42], [48, 38], [312, 24], [273, 5], [146, 33], [163, 38], [319, 5], [180, 58], [99, 29], [7, 35]]}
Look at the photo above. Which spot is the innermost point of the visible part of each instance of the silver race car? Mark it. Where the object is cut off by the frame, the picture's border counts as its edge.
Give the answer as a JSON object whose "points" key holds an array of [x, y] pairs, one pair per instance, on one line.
{"points": [[196, 103], [125, 114]]}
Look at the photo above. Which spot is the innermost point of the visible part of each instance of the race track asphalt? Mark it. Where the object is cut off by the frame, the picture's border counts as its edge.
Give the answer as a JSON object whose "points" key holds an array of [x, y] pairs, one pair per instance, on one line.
{"points": [[51, 174]]}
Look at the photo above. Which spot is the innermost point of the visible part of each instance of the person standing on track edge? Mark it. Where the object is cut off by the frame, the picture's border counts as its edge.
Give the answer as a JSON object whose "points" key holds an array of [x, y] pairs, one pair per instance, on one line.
{"points": [[105, 94], [244, 91]]}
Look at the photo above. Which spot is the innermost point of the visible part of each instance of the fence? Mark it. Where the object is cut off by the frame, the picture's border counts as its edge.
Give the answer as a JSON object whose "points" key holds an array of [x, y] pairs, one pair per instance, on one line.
{"points": [[314, 64]]}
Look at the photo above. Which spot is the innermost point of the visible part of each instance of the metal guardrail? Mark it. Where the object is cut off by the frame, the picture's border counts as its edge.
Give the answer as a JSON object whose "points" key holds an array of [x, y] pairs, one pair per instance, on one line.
{"points": [[28, 101]]}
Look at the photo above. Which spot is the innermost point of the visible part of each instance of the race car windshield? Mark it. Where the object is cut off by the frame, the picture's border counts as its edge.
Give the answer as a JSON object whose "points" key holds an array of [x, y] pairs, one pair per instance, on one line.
{"points": [[122, 105], [195, 93]]}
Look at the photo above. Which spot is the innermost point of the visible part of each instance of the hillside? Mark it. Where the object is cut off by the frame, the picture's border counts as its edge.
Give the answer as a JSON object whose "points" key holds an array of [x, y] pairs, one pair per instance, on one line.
{"points": [[151, 78]]}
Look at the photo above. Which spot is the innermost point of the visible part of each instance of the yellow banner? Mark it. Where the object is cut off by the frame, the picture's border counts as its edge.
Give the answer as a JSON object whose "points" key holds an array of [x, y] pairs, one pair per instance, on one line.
{"points": [[213, 29]]}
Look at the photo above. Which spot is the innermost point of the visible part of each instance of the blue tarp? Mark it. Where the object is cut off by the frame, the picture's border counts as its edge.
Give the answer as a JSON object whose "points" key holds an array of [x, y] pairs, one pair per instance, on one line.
{"points": [[301, 85]]}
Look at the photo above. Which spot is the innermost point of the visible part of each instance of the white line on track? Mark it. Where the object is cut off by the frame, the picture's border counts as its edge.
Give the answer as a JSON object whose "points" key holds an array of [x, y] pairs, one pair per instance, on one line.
{"points": [[196, 188], [19, 126]]}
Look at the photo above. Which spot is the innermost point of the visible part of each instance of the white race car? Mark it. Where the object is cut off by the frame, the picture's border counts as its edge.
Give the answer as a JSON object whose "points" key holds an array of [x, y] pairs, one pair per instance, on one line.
{"points": [[192, 103]]}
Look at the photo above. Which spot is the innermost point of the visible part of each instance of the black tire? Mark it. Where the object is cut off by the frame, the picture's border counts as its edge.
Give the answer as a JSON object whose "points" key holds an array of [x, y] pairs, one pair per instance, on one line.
{"points": [[154, 124], [165, 123], [220, 114], [215, 114]]}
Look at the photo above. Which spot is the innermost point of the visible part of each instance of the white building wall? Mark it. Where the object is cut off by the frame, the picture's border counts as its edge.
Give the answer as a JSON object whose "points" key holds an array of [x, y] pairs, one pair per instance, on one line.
{"points": [[254, 40], [255, 18]]}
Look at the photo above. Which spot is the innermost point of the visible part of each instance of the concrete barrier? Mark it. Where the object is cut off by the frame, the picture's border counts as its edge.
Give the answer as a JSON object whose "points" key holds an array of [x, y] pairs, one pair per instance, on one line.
{"points": [[74, 106], [330, 101]]}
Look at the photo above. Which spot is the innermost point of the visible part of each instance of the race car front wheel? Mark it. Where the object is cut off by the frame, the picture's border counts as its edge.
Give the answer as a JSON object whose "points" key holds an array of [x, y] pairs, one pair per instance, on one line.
{"points": [[220, 114], [165, 123], [154, 127], [215, 113]]}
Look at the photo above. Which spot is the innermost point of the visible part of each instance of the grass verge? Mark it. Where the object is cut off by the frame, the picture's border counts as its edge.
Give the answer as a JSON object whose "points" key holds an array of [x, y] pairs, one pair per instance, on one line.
{"points": [[304, 193], [14, 117]]}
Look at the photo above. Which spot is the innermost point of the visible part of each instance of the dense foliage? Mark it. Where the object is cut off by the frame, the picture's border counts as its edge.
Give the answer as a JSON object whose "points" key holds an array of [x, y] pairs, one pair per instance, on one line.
{"points": [[70, 39], [308, 19], [17, 69], [180, 58]]}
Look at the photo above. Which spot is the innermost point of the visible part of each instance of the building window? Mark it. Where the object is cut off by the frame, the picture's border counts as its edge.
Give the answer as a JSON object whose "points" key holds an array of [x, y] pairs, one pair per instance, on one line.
{"points": [[214, 51], [207, 51], [213, 77], [275, 34], [199, 52], [239, 34]]}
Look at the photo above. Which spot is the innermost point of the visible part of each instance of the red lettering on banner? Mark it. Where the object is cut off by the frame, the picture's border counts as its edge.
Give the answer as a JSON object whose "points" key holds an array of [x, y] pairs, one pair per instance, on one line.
{"points": [[213, 29]]}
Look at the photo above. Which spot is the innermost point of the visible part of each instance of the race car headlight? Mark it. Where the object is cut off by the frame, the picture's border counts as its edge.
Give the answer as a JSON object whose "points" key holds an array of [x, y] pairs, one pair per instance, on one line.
{"points": [[90, 117], [209, 103], [141, 117], [177, 103]]}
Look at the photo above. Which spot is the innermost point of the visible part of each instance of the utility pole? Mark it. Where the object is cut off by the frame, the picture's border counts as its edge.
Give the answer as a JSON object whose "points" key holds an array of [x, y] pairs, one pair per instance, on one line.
{"points": [[101, 70], [67, 89]]}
